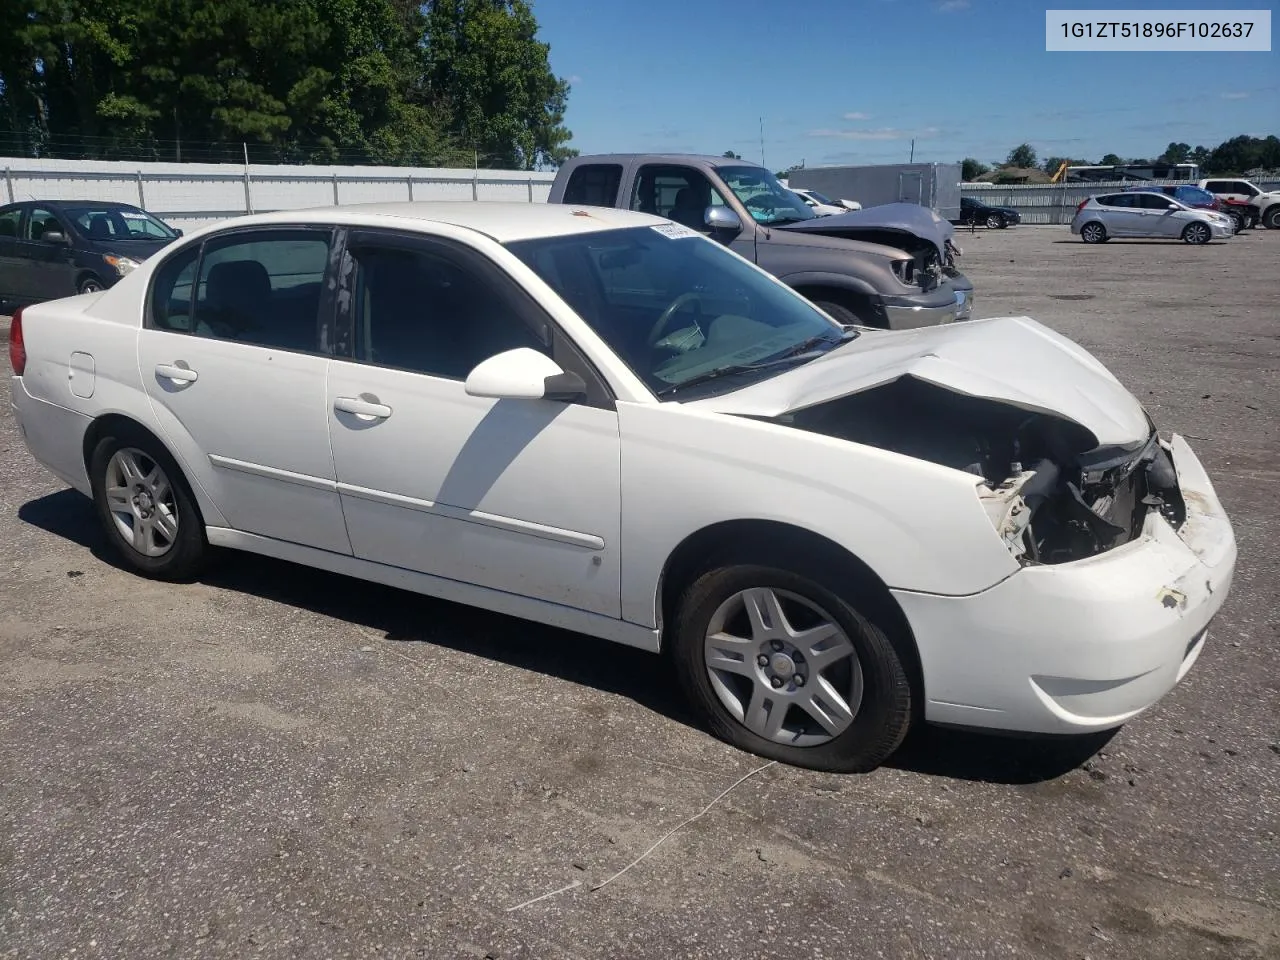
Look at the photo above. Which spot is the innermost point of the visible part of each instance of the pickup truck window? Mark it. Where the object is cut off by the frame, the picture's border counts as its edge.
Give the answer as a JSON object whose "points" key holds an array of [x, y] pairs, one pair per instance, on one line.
{"points": [[681, 194], [677, 308], [767, 200], [594, 185]]}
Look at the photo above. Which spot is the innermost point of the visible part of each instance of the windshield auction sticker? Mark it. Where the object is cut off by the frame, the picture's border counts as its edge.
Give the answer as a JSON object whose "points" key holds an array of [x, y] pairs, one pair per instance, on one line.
{"points": [[1156, 31], [675, 231]]}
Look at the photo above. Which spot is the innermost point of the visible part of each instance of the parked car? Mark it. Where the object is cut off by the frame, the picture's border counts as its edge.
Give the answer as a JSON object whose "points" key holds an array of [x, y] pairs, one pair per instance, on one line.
{"points": [[974, 212], [1266, 203], [1192, 197], [603, 421], [56, 248], [1147, 214], [823, 206], [852, 268]]}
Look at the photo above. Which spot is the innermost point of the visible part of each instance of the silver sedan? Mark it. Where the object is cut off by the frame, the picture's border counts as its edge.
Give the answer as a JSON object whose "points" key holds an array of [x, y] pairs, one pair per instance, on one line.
{"points": [[1147, 214]]}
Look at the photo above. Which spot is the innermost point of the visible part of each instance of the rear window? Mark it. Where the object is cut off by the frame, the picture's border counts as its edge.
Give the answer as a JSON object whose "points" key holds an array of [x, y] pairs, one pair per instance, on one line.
{"points": [[595, 185]]}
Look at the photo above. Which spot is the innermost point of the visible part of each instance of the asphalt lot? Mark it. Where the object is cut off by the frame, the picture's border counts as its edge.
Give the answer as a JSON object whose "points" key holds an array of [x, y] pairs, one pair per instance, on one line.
{"points": [[276, 762]]}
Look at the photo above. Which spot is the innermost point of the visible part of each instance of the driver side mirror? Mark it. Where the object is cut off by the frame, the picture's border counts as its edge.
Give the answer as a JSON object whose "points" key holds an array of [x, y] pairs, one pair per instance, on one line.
{"points": [[722, 218], [523, 374], [54, 236]]}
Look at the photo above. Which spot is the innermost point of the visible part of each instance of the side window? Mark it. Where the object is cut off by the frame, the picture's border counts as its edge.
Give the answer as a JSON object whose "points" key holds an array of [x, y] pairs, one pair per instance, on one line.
{"points": [[263, 288], [40, 222], [171, 291], [1117, 200], [594, 184], [9, 221], [1217, 186], [1245, 188], [1150, 201], [677, 193], [427, 311]]}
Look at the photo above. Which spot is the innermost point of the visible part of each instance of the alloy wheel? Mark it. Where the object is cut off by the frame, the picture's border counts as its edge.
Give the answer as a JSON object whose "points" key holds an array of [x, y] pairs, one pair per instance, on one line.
{"points": [[142, 502], [783, 667]]}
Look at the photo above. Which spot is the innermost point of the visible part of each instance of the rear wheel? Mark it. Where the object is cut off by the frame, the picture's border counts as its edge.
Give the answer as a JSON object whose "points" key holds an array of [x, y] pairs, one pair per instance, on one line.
{"points": [[1196, 233], [1271, 219], [780, 665], [1093, 233], [145, 506], [90, 284], [995, 222]]}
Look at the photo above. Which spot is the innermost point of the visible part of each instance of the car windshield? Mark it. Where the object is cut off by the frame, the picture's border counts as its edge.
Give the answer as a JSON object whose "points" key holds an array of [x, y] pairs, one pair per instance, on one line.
{"points": [[767, 200], [817, 196], [119, 223], [678, 308]]}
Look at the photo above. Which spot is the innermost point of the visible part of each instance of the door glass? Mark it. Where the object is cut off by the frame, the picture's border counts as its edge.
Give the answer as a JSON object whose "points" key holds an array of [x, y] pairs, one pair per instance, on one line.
{"points": [[423, 311], [595, 184], [681, 194], [171, 291], [41, 222], [263, 288], [9, 222], [1150, 202]]}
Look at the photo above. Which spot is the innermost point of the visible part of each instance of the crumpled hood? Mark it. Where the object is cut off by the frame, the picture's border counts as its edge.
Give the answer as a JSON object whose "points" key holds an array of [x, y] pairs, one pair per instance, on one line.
{"points": [[1014, 360], [908, 218]]}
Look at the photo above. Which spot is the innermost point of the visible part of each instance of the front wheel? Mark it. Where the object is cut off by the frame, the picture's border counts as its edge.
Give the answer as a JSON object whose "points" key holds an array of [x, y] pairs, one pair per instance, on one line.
{"points": [[840, 314], [1093, 233], [1196, 233], [145, 506], [995, 222], [90, 284], [779, 665], [1271, 219]]}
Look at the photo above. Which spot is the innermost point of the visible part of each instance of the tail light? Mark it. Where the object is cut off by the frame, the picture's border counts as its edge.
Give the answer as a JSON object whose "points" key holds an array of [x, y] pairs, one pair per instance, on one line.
{"points": [[17, 349], [1081, 206]]}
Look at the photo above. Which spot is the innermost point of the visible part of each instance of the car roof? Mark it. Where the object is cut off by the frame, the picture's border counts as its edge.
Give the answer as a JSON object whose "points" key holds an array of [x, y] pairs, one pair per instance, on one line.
{"points": [[62, 204], [708, 159], [503, 221]]}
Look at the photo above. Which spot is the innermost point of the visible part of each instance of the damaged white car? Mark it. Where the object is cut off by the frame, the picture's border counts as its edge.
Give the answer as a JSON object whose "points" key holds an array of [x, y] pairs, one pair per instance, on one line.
{"points": [[603, 421]]}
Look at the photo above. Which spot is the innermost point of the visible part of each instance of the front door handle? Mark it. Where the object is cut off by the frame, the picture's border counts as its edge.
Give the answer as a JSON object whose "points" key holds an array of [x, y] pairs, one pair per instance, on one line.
{"points": [[362, 408], [177, 372]]}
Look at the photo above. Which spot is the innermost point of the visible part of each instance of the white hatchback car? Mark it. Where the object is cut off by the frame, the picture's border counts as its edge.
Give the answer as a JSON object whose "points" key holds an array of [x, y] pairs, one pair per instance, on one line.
{"points": [[603, 421]]}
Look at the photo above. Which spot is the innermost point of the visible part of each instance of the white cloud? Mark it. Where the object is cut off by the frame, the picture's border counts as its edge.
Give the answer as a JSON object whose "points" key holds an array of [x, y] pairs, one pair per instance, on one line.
{"points": [[856, 115], [951, 6], [884, 133], [1235, 96], [574, 80]]}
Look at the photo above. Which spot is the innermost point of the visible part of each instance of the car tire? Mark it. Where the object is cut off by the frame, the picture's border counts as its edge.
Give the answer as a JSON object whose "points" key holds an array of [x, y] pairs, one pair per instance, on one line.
{"points": [[838, 313], [90, 284], [145, 505], [1250, 221], [1093, 232], [1271, 219], [995, 222], [864, 694], [1196, 233]]}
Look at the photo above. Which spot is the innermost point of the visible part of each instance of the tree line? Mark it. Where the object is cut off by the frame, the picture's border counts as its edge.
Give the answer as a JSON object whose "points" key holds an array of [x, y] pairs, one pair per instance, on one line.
{"points": [[1231, 157], [440, 83]]}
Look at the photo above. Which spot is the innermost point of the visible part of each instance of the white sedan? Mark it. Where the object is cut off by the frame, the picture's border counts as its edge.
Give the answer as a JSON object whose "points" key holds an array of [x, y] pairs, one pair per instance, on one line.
{"points": [[823, 206], [603, 421]]}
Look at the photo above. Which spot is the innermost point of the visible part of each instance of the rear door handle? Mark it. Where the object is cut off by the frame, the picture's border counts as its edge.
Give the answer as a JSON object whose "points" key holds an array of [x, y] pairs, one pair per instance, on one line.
{"points": [[364, 409], [176, 373]]}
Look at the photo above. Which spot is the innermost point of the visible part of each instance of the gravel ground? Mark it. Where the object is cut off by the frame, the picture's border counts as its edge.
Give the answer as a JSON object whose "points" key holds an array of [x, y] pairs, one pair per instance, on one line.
{"points": [[281, 763]]}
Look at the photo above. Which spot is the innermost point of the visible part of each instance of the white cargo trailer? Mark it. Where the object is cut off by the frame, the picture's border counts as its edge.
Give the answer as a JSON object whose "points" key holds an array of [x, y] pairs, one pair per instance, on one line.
{"points": [[933, 185]]}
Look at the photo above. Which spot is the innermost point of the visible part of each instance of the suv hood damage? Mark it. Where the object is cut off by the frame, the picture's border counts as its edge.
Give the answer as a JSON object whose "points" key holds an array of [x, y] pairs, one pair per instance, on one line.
{"points": [[908, 227], [1065, 459]]}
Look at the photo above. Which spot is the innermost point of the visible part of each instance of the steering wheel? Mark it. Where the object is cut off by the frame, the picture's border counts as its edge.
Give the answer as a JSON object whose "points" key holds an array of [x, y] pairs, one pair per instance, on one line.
{"points": [[762, 201], [660, 326]]}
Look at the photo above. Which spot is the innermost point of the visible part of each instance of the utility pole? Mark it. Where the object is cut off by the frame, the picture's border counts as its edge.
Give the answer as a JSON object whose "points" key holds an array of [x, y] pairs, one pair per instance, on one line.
{"points": [[913, 151]]}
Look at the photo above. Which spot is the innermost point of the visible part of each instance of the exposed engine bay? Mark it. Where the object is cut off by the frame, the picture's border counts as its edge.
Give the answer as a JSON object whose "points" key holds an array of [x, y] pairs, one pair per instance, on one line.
{"points": [[1052, 493]]}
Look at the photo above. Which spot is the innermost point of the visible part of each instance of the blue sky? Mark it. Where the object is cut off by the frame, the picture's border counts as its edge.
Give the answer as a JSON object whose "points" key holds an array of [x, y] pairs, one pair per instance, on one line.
{"points": [[852, 81]]}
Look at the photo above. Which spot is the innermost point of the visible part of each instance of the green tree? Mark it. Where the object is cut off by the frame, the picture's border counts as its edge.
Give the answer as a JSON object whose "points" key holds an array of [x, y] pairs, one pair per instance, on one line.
{"points": [[1023, 155], [971, 169], [730, 155], [1175, 153], [1051, 164], [484, 60], [1200, 155], [1111, 160]]}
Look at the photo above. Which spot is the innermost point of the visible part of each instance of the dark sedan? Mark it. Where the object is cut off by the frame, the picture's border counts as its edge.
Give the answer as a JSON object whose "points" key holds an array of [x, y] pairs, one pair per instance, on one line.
{"points": [[973, 212], [58, 248]]}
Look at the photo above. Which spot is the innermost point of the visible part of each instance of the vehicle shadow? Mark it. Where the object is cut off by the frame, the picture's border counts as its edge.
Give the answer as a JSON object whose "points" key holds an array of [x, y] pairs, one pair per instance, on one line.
{"points": [[400, 617]]}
